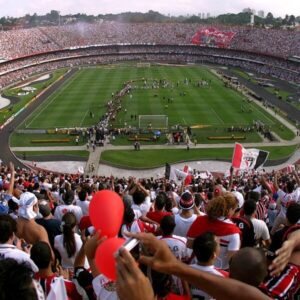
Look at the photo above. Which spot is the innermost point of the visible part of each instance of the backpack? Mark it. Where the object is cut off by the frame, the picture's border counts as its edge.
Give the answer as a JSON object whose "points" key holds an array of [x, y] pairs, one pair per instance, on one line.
{"points": [[247, 231]]}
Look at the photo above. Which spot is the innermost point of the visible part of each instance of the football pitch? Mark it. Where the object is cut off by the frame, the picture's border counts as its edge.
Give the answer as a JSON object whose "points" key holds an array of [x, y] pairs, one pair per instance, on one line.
{"points": [[188, 96]]}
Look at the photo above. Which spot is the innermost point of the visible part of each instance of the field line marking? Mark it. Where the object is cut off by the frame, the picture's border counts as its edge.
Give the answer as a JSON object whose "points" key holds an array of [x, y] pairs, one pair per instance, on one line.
{"points": [[217, 115], [266, 115], [83, 117], [69, 81], [184, 121]]}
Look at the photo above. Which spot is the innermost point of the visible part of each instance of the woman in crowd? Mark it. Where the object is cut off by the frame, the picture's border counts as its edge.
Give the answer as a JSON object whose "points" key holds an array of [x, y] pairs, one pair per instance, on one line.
{"points": [[69, 242]]}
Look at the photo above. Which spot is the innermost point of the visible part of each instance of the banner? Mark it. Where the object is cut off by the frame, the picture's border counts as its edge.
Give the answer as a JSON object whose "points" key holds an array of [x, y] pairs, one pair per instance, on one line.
{"points": [[247, 159], [213, 37], [175, 174]]}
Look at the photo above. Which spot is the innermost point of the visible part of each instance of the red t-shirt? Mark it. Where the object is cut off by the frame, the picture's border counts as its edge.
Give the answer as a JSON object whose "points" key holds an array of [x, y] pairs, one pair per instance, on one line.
{"points": [[157, 215], [203, 224]]}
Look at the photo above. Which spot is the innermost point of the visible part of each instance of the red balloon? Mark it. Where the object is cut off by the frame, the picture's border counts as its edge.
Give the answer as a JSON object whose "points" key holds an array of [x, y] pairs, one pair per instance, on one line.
{"points": [[105, 257], [106, 212]]}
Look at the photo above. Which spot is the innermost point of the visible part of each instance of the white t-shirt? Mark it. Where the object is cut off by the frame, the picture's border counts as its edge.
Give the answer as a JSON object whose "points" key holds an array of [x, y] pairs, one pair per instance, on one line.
{"points": [[104, 288], [11, 251], [231, 242], [68, 262], [197, 293], [183, 225], [84, 205], [285, 198], [177, 245], [260, 229], [63, 209]]}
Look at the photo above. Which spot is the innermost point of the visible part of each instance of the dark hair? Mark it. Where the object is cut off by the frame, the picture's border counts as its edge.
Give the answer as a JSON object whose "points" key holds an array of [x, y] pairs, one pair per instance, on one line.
{"points": [[8, 227], [249, 265], [40, 253], [249, 207], [198, 199], [68, 197], [204, 246], [253, 196], [167, 225], [161, 283], [69, 220], [160, 202], [12, 205], [16, 280], [293, 213], [168, 205], [82, 195], [128, 215], [138, 197], [290, 186]]}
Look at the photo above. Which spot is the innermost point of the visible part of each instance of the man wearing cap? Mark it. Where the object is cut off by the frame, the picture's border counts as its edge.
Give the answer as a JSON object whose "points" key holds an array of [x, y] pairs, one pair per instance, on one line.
{"points": [[27, 228], [186, 217]]}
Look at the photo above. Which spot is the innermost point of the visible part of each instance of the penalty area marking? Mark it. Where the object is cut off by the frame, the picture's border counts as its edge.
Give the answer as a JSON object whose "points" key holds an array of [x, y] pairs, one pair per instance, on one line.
{"points": [[69, 81]]}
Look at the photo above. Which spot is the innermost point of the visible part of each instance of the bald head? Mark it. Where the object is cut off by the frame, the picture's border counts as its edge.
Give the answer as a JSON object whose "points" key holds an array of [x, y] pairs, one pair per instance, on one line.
{"points": [[249, 265]]}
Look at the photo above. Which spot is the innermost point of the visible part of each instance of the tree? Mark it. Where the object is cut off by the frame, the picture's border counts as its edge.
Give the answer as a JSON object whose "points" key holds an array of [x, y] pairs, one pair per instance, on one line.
{"points": [[292, 20], [269, 19]]}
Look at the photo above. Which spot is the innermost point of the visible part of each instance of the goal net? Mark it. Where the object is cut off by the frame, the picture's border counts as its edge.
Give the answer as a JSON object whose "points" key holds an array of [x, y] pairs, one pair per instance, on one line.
{"points": [[143, 65], [153, 121]]}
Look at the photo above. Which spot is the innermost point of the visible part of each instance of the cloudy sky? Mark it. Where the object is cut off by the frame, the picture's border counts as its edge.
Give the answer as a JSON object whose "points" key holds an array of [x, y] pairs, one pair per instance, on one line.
{"points": [[175, 7]]}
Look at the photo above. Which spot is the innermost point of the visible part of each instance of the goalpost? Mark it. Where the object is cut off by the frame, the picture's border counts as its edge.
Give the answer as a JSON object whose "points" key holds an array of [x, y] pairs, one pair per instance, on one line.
{"points": [[143, 65], [153, 121]]}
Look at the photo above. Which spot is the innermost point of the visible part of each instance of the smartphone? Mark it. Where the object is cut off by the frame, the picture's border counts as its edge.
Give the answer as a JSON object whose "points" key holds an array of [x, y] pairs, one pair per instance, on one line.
{"points": [[24, 245], [133, 246]]}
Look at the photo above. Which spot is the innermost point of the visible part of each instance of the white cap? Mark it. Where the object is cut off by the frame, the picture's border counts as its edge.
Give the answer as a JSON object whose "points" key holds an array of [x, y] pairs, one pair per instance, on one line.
{"points": [[239, 196], [26, 203]]}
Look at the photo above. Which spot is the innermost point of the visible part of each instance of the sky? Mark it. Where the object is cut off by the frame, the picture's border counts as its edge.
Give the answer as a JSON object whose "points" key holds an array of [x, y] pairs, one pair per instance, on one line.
{"points": [[17, 8]]}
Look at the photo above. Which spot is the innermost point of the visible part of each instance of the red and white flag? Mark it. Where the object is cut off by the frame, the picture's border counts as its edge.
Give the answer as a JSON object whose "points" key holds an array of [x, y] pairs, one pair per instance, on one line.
{"points": [[247, 159], [189, 178]]}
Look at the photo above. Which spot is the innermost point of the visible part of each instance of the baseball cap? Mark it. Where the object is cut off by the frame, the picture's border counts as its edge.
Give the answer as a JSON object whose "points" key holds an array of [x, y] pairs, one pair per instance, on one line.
{"points": [[186, 201], [239, 196]]}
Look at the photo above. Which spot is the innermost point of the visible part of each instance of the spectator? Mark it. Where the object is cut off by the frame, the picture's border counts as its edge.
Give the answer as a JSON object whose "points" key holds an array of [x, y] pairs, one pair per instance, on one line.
{"points": [[27, 228], [8, 229], [206, 248], [186, 217], [51, 224], [158, 214], [262, 235], [68, 198], [41, 255], [217, 221], [68, 243]]}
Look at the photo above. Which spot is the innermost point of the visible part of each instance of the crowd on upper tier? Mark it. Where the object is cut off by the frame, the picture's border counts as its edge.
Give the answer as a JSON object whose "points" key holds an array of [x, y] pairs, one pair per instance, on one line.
{"points": [[22, 42], [200, 233]]}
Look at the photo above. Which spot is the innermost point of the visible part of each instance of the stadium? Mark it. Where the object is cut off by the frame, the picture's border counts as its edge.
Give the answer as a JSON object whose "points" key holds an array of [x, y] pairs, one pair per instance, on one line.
{"points": [[181, 138], [206, 60]]}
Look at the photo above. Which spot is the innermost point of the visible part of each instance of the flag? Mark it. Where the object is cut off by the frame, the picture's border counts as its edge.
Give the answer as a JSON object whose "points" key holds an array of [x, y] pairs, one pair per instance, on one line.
{"points": [[58, 290], [175, 174], [247, 159], [189, 178]]}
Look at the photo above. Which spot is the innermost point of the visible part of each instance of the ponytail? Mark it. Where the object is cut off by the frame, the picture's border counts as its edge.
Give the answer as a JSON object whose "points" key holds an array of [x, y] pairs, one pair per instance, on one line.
{"points": [[68, 223]]}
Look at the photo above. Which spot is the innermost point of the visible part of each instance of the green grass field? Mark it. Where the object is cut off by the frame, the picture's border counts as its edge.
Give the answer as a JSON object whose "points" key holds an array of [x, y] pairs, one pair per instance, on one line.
{"points": [[90, 89], [156, 158]]}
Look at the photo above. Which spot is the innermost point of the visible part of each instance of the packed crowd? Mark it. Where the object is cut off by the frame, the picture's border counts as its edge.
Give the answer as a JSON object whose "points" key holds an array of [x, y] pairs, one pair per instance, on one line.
{"points": [[18, 43], [207, 237], [21, 69]]}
